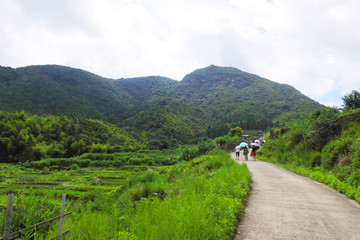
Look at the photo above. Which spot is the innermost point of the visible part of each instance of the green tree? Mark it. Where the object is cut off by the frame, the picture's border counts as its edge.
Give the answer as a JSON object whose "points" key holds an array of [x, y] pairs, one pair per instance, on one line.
{"points": [[236, 131], [324, 125], [352, 100], [25, 137]]}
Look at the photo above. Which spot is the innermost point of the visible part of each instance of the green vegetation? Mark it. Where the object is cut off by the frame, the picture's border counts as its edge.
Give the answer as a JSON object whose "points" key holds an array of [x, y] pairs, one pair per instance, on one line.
{"points": [[26, 138], [239, 99], [75, 181], [324, 146], [199, 199], [165, 122], [121, 159], [59, 90], [236, 131], [193, 151], [164, 112], [352, 100], [156, 177]]}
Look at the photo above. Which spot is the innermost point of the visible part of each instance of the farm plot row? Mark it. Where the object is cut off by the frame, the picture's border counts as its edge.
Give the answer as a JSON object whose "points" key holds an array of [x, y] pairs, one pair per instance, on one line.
{"points": [[75, 183]]}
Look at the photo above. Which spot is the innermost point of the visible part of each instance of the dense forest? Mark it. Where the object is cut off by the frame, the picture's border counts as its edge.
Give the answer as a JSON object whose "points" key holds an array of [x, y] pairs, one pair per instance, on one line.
{"points": [[63, 141], [324, 145], [25, 137], [170, 122], [239, 98], [206, 103]]}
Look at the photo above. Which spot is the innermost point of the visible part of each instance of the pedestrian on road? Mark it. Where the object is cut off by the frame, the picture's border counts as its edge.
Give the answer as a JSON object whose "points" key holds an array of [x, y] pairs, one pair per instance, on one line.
{"points": [[253, 152], [237, 152], [246, 153]]}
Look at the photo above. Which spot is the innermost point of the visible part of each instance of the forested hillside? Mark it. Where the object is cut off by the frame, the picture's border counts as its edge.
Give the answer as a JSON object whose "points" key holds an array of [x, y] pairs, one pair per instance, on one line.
{"points": [[25, 137], [62, 91], [144, 88], [170, 121], [239, 98], [206, 103]]}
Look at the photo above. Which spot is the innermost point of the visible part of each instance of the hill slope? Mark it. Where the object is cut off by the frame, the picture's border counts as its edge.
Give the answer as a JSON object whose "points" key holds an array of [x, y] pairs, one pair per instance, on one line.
{"points": [[25, 137], [233, 96], [218, 95], [61, 90], [167, 122]]}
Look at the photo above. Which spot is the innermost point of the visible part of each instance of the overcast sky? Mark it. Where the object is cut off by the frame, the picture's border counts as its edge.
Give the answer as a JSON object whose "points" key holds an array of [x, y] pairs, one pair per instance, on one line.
{"points": [[311, 45]]}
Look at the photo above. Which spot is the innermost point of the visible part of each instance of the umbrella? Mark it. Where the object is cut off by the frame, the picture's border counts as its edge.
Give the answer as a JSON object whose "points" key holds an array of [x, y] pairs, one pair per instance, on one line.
{"points": [[243, 144], [255, 144]]}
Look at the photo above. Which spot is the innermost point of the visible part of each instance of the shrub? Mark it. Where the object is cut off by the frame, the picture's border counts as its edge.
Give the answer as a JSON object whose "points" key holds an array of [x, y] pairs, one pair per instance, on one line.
{"points": [[296, 136], [324, 126], [206, 146], [74, 166], [355, 149], [227, 142], [354, 179], [334, 151], [148, 189], [28, 212], [189, 153], [213, 164]]}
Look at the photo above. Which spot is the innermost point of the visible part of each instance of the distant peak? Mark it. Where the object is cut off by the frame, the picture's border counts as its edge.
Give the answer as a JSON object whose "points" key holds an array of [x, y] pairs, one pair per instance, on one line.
{"points": [[212, 66]]}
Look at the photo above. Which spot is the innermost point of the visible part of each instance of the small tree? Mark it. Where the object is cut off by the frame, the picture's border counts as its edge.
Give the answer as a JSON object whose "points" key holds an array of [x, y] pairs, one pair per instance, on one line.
{"points": [[236, 131], [352, 100]]}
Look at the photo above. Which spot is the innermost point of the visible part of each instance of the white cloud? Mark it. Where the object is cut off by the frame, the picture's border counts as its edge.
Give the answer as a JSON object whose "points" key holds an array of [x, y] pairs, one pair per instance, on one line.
{"points": [[313, 46]]}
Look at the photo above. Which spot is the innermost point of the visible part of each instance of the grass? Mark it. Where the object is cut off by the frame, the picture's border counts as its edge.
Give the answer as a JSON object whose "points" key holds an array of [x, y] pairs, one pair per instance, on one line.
{"points": [[52, 184], [199, 199], [104, 160]]}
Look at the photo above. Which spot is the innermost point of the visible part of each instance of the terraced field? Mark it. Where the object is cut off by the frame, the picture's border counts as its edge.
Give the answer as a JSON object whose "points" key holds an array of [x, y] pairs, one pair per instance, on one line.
{"points": [[74, 183]]}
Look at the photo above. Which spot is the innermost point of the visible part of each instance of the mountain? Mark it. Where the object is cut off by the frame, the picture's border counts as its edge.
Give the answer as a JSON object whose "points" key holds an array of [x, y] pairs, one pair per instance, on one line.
{"points": [[144, 88], [230, 95], [170, 121], [205, 103], [58, 90]]}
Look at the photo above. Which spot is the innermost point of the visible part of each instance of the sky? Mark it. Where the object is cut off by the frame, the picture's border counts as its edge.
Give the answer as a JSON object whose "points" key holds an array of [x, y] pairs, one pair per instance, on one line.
{"points": [[313, 46]]}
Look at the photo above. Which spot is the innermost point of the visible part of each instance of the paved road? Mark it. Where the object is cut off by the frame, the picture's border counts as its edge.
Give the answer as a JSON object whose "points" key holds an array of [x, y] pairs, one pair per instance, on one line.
{"points": [[284, 205]]}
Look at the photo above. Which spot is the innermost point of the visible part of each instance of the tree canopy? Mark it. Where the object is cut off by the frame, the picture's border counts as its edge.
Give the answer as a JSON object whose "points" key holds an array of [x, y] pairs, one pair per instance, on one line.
{"points": [[236, 131], [352, 100], [25, 137]]}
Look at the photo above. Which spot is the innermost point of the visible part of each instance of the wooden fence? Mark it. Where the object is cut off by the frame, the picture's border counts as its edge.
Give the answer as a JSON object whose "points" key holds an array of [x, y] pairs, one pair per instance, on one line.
{"points": [[18, 234]]}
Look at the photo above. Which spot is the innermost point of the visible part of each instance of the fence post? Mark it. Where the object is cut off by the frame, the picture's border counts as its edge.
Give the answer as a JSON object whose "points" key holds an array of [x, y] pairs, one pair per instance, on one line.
{"points": [[8, 216], [61, 216]]}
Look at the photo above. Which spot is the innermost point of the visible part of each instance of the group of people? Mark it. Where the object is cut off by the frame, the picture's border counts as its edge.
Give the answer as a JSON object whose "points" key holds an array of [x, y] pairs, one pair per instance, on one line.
{"points": [[246, 148]]}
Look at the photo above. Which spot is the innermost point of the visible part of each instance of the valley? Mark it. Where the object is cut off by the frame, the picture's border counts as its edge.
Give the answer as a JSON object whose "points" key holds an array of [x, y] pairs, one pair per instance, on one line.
{"points": [[148, 157]]}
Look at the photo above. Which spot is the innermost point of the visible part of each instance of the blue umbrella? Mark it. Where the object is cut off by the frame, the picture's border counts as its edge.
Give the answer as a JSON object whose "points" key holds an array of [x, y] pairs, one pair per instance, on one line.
{"points": [[243, 144]]}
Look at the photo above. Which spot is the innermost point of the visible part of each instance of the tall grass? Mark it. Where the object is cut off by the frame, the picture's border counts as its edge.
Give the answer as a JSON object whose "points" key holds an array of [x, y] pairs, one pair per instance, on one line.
{"points": [[28, 210], [200, 199], [119, 159], [207, 208]]}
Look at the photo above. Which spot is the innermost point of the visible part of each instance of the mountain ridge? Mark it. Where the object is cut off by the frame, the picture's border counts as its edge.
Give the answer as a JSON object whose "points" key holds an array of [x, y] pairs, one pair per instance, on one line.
{"points": [[223, 94]]}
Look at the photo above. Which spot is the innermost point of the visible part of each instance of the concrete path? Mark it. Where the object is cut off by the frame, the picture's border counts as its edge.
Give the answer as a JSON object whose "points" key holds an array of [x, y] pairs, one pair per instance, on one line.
{"points": [[284, 205]]}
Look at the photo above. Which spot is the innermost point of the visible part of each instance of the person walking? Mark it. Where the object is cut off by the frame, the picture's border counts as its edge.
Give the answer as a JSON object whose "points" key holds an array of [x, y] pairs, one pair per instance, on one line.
{"points": [[254, 148], [237, 152], [246, 153]]}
